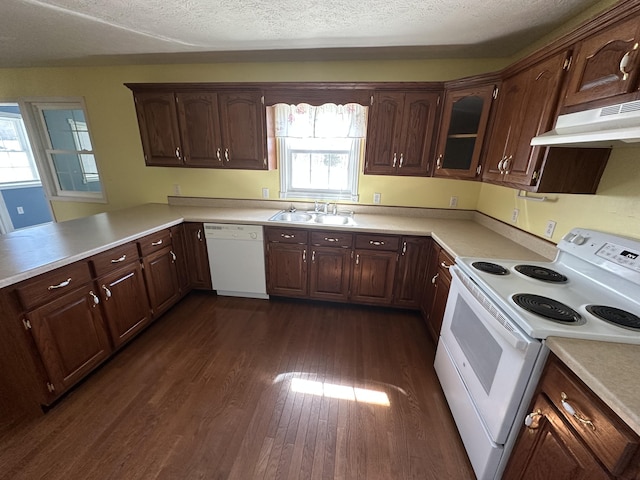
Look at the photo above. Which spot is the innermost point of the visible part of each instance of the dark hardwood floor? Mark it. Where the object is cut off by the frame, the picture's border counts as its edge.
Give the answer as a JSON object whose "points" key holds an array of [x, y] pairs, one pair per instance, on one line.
{"points": [[206, 392]]}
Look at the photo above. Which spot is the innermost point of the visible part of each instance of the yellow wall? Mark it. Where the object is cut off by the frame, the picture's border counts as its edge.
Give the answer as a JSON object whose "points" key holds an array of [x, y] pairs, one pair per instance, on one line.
{"points": [[118, 150]]}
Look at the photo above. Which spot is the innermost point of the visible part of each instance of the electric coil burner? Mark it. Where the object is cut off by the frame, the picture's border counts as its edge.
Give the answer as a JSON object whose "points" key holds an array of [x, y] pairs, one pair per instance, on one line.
{"points": [[541, 273], [490, 267], [548, 308], [615, 316]]}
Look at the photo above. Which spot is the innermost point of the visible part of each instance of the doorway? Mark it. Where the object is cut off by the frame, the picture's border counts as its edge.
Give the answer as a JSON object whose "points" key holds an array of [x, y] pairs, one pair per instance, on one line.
{"points": [[23, 201]]}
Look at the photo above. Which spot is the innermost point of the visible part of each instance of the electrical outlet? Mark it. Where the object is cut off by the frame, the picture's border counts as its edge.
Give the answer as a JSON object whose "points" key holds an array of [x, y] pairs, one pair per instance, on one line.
{"points": [[514, 215], [176, 189], [376, 198], [551, 226], [265, 192], [20, 210], [453, 201]]}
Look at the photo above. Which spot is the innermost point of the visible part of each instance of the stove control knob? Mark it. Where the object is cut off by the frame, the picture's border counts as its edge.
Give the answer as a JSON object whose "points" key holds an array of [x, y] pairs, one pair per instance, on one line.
{"points": [[578, 239]]}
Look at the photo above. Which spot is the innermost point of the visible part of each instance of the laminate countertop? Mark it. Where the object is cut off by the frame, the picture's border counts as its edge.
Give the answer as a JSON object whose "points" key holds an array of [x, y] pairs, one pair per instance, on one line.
{"points": [[33, 251]]}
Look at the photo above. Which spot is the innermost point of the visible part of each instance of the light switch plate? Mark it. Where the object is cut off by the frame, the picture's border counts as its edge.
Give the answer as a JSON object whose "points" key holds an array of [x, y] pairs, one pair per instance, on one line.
{"points": [[551, 226], [376, 198], [514, 215], [265, 193], [453, 201]]}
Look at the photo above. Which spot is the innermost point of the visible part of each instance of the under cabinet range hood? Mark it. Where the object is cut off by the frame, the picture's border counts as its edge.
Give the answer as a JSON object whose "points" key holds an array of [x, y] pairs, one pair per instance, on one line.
{"points": [[614, 125]]}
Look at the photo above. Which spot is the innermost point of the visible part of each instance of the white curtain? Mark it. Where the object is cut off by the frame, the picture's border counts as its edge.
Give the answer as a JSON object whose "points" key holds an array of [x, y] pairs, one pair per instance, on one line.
{"points": [[325, 121]]}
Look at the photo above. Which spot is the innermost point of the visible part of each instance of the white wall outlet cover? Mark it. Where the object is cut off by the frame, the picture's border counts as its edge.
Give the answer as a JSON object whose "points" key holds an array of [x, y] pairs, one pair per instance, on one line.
{"points": [[453, 201], [177, 190], [265, 193], [514, 215], [20, 210], [551, 226], [376, 198]]}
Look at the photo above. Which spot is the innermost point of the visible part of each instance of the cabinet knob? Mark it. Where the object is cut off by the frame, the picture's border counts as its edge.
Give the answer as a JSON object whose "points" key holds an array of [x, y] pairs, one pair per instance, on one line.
{"points": [[395, 160], [401, 160], [226, 154], [444, 265], [624, 62], [178, 152], [439, 162], [532, 420], [107, 292], [96, 300], [219, 155], [435, 277]]}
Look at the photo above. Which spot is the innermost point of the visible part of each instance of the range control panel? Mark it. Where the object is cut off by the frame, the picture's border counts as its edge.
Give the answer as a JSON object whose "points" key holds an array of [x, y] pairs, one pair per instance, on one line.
{"points": [[620, 255]]}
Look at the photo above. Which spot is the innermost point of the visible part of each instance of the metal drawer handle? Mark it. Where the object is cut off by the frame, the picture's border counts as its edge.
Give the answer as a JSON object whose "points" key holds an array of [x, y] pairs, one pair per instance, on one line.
{"points": [[401, 160], [121, 259], [199, 235], [572, 411], [286, 235], [60, 285], [439, 162], [226, 154], [304, 255], [433, 280], [155, 244], [107, 292], [444, 265], [357, 259], [96, 300], [313, 255], [376, 243], [327, 239], [177, 152], [173, 256], [218, 155], [404, 248], [395, 160]]}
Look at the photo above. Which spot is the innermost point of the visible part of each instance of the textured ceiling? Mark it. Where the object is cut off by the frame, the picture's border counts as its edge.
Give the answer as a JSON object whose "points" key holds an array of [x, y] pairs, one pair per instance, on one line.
{"points": [[93, 32]]}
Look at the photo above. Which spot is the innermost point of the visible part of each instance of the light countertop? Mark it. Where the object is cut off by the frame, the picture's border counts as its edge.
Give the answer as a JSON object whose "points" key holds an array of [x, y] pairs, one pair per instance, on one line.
{"points": [[32, 251]]}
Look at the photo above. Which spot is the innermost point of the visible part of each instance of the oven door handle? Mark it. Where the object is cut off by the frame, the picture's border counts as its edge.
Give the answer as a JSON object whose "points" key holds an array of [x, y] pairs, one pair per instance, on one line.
{"points": [[502, 325]]}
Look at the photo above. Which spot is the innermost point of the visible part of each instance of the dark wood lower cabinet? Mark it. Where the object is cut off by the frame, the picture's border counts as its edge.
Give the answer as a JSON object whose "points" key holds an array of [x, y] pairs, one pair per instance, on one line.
{"points": [[287, 269], [161, 277], [330, 273], [197, 256], [410, 277], [178, 242], [436, 289], [70, 336], [125, 302], [552, 450], [373, 277]]}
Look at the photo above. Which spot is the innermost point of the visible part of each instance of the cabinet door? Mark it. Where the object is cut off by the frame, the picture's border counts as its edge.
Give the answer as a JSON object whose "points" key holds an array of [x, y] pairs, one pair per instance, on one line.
{"points": [[384, 133], [462, 130], [125, 303], [242, 121], [199, 129], [330, 273], [71, 337], [411, 272], [442, 284], [511, 98], [161, 277], [197, 256], [178, 243], [536, 116], [416, 141], [600, 63], [159, 130], [287, 269], [550, 449], [373, 276]]}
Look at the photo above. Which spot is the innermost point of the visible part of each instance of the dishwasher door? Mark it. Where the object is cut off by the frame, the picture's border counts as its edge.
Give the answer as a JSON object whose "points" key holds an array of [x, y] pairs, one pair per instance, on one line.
{"points": [[236, 259]]}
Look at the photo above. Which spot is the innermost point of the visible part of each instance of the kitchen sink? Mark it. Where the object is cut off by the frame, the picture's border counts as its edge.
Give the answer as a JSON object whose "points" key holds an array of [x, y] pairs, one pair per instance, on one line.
{"points": [[314, 217]]}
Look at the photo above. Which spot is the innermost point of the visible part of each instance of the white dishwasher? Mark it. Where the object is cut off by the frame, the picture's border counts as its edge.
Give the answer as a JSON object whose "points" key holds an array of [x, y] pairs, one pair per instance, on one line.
{"points": [[236, 259]]}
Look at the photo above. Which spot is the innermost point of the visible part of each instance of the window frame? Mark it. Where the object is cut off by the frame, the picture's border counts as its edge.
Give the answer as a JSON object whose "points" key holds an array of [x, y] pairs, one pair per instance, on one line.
{"points": [[24, 143], [42, 149]]}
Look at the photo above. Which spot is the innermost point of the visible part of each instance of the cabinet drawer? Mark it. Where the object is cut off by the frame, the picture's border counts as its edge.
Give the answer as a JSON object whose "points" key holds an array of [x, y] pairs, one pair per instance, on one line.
{"points": [[332, 239], [287, 235], [51, 285], [610, 439], [388, 243], [444, 262], [154, 242], [110, 260]]}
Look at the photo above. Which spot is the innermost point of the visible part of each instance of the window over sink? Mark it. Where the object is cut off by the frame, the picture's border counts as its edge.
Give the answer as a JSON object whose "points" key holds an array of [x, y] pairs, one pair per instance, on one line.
{"points": [[319, 149]]}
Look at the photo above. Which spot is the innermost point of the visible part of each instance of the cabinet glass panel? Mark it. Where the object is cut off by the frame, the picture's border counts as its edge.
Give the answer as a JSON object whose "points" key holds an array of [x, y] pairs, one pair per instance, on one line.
{"points": [[462, 134]]}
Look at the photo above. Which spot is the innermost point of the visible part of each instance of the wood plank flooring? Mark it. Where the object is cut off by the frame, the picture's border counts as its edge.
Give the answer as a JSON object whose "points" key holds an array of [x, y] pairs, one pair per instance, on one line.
{"points": [[206, 393]]}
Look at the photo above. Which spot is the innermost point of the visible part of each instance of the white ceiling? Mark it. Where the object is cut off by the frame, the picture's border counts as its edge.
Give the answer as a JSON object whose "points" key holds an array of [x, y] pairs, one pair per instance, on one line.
{"points": [[95, 32]]}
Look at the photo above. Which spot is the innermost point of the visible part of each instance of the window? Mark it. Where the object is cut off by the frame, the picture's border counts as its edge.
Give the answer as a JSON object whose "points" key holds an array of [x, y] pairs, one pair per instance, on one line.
{"points": [[319, 150], [66, 150], [17, 166]]}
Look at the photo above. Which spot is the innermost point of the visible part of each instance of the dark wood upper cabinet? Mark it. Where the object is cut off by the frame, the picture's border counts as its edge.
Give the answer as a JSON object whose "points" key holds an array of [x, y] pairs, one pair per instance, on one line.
{"points": [[159, 129], [527, 107], [605, 64], [242, 118], [201, 127], [400, 133], [462, 129]]}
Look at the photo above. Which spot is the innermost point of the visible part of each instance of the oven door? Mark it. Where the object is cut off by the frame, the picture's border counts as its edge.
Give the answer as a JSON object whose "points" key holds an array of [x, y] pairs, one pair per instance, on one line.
{"points": [[492, 355]]}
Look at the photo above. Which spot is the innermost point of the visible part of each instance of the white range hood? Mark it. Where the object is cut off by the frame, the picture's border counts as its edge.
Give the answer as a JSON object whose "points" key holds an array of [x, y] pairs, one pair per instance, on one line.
{"points": [[614, 125]]}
